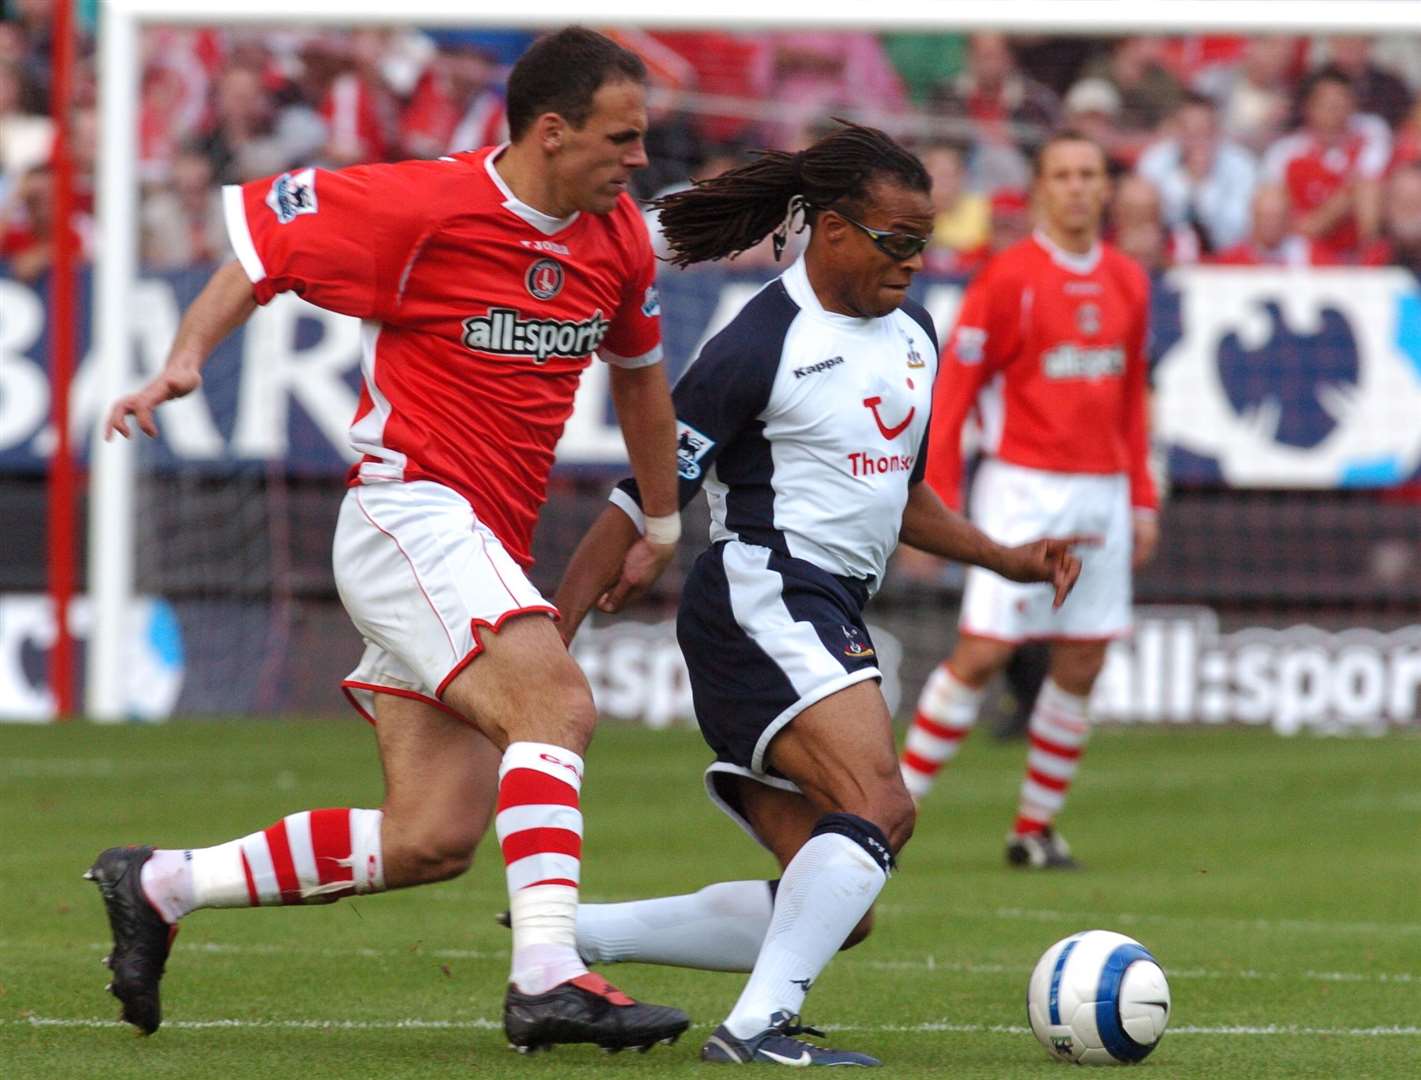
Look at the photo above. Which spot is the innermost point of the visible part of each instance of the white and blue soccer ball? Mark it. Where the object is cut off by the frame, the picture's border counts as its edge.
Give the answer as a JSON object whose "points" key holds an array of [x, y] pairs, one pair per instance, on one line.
{"points": [[1098, 998]]}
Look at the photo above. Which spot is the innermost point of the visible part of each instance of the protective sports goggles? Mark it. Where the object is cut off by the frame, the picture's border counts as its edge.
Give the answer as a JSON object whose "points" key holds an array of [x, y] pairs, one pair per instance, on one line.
{"points": [[898, 246]]}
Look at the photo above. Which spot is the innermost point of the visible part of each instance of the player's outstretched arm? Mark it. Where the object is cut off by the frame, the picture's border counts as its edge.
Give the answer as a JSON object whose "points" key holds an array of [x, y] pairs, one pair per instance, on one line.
{"points": [[928, 524], [597, 568], [225, 303]]}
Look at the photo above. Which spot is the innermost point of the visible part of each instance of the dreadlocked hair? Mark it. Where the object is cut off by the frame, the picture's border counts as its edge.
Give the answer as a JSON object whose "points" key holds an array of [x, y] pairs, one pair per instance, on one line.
{"points": [[734, 211]]}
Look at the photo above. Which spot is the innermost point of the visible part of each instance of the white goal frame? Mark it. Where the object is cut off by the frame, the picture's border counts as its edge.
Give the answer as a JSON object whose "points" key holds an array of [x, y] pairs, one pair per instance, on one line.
{"points": [[112, 476]]}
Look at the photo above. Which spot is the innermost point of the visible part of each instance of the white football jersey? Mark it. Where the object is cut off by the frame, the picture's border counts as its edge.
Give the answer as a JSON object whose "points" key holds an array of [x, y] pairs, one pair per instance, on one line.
{"points": [[806, 427]]}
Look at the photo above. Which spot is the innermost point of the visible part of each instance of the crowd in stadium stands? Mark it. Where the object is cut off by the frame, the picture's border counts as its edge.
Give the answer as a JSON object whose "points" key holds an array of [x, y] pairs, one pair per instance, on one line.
{"points": [[1282, 151]]}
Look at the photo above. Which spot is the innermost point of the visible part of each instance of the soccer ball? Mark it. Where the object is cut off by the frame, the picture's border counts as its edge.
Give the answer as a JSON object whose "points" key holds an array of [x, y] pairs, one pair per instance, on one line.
{"points": [[1098, 998]]}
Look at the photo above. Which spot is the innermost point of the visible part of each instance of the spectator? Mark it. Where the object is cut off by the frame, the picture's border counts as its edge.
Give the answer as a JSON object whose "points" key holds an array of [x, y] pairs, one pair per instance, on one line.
{"points": [[239, 141], [1378, 91], [1205, 183], [1400, 244], [961, 219], [27, 228], [1254, 96], [1332, 167], [1407, 147], [1011, 112], [809, 74], [25, 137], [994, 94], [1136, 225], [359, 110], [1270, 241], [182, 224], [457, 103], [1147, 92]]}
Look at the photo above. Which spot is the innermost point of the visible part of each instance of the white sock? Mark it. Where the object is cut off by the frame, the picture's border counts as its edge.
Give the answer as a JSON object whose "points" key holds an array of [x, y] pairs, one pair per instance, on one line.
{"points": [[539, 827], [167, 882], [947, 709], [719, 928], [827, 888], [309, 857]]}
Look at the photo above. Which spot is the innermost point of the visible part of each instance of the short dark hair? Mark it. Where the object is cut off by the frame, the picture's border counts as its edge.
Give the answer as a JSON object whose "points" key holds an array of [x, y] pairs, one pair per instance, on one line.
{"points": [[561, 73], [1329, 73], [1064, 135]]}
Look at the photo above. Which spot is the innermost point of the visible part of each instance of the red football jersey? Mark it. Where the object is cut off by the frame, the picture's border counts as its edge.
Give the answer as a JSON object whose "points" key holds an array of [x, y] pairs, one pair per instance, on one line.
{"points": [[479, 313], [1049, 347], [1313, 173]]}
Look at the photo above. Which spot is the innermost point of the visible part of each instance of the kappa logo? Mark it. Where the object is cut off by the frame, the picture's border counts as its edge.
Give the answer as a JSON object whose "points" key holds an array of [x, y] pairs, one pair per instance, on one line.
{"points": [[691, 446], [292, 194], [888, 432], [815, 369], [544, 279]]}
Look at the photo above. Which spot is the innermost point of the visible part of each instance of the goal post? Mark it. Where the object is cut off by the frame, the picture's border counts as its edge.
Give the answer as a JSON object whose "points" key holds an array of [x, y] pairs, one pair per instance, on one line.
{"points": [[113, 506]]}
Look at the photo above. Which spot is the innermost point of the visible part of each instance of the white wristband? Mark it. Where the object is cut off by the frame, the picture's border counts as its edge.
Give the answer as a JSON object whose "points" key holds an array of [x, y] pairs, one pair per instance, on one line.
{"points": [[663, 530]]}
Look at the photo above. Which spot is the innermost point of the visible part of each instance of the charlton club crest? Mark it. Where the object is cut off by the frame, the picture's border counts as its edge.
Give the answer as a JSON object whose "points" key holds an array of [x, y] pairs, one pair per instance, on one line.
{"points": [[544, 279]]}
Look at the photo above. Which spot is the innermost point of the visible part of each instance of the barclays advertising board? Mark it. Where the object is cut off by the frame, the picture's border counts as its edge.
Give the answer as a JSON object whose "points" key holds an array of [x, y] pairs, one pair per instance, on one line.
{"points": [[1274, 379]]}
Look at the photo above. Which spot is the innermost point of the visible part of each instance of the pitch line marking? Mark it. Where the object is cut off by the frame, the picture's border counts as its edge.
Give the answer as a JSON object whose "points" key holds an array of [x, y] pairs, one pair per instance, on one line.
{"points": [[968, 967], [927, 963], [485, 1024], [1126, 917]]}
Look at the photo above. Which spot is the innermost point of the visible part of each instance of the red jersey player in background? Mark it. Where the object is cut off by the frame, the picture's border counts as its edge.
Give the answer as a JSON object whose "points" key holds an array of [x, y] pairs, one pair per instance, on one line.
{"points": [[484, 282], [1049, 348]]}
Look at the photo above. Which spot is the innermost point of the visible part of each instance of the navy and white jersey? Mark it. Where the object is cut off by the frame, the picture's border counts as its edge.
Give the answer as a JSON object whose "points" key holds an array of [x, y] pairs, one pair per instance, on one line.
{"points": [[806, 427]]}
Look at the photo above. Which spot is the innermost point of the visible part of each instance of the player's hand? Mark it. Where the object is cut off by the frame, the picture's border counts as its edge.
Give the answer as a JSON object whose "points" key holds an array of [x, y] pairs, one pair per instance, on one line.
{"points": [[1050, 560], [641, 567], [165, 386], [1145, 536]]}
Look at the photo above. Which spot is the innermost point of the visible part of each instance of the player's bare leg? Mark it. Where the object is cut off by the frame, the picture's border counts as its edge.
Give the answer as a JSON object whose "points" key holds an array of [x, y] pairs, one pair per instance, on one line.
{"points": [[528, 696], [439, 787], [947, 709], [840, 837]]}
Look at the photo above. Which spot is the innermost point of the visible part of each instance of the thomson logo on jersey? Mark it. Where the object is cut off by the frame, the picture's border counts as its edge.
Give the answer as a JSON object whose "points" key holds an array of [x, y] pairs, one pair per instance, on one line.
{"points": [[815, 369], [504, 332], [1075, 362]]}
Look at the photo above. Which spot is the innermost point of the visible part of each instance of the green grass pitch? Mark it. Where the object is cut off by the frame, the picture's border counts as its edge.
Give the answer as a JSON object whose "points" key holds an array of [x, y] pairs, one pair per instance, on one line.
{"points": [[1278, 881]]}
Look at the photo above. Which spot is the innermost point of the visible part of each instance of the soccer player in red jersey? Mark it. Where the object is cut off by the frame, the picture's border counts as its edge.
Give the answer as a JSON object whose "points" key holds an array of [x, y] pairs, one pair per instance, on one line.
{"points": [[484, 281], [1049, 349]]}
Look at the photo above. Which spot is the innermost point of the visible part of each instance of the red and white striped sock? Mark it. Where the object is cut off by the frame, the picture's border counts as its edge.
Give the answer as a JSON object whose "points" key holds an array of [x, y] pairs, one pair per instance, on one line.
{"points": [[539, 828], [311, 857], [947, 709], [1058, 731]]}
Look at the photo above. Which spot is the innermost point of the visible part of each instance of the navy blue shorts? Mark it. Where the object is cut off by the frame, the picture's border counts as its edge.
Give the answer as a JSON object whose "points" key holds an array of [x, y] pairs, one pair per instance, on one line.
{"points": [[765, 636]]}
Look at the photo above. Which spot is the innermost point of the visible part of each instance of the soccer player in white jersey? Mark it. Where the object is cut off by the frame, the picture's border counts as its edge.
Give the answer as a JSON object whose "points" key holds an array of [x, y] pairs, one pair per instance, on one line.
{"points": [[485, 281], [1049, 349], [805, 420]]}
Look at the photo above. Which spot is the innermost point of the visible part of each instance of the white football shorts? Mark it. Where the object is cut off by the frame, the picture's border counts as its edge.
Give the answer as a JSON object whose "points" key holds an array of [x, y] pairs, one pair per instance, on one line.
{"points": [[419, 575], [1013, 505]]}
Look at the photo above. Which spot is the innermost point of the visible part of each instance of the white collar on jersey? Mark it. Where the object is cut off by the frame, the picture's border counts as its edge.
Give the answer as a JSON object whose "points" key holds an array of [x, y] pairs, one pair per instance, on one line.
{"points": [[796, 282], [1083, 263], [544, 223]]}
